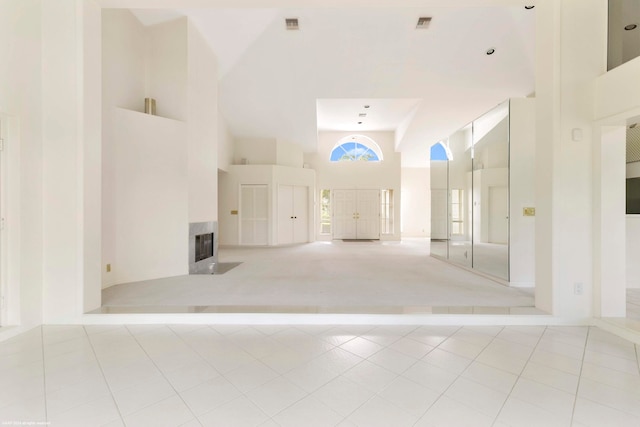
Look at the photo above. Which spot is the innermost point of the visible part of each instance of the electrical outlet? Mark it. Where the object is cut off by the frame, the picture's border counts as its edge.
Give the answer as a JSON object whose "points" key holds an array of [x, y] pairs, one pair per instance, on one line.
{"points": [[108, 268], [578, 288]]}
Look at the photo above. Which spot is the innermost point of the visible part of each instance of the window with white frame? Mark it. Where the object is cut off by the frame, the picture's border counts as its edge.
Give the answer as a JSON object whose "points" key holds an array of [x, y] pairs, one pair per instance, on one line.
{"points": [[325, 211], [386, 211]]}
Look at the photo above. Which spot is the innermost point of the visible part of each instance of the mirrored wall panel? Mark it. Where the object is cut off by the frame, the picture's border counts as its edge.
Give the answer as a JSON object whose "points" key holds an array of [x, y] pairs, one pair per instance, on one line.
{"points": [[460, 196], [439, 201], [491, 192], [470, 196]]}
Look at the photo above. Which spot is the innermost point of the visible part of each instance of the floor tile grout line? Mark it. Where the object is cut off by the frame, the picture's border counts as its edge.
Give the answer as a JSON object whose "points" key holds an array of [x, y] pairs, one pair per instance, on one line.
{"points": [[44, 375], [584, 353], [375, 393], [341, 374], [458, 376], [221, 374], [495, 419], [608, 385], [104, 377], [135, 338]]}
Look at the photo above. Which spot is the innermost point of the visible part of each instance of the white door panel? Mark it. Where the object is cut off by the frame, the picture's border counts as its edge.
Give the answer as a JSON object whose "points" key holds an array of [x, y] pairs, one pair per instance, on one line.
{"points": [[368, 214], [300, 214], [254, 215], [356, 214], [344, 208], [293, 218]]}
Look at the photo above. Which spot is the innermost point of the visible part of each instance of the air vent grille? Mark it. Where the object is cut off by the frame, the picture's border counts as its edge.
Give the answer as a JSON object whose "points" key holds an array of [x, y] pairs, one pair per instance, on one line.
{"points": [[423, 22], [362, 115], [292, 23]]}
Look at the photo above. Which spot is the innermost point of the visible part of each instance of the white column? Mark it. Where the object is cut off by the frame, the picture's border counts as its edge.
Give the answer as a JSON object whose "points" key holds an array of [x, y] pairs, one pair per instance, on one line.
{"points": [[571, 45], [609, 257], [71, 159]]}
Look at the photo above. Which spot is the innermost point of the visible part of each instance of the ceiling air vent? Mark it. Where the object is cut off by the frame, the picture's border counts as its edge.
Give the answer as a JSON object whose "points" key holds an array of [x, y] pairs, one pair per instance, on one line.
{"points": [[292, 23], [423, 22], [362, 115]]}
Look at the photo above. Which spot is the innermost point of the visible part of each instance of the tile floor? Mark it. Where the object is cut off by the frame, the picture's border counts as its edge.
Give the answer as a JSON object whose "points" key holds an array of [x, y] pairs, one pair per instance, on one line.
{"points": [[208, 375]]}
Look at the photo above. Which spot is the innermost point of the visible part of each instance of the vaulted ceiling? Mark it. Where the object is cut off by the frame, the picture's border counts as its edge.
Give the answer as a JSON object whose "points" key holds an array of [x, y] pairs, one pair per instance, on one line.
{"points": [[422, 83]]}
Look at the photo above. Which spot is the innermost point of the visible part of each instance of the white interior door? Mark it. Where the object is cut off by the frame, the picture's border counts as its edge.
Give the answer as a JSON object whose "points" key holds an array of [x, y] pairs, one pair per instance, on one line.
{"points": [[285, 214], [293, 218], [438, 213], [368, 214], [344, 218], [300, 214], [254, 215], [498, 215]]}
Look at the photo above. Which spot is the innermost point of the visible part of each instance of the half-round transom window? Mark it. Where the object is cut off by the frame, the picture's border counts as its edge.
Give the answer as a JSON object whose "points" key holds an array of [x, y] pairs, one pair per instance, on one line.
{"points": [[356, 148]]}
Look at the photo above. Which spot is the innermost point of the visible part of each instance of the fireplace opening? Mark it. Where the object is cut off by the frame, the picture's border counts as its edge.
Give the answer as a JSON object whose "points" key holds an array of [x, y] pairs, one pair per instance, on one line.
{"points": [[204, 246]]}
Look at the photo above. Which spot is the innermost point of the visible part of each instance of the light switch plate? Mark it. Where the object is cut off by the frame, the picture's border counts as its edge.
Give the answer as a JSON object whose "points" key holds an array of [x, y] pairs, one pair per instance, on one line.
{"points": [[528, 211]]}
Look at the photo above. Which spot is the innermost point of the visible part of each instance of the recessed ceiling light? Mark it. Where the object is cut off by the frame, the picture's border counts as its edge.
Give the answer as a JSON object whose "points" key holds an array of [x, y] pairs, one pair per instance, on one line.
{"points": [[631, 27], [291, 23], [529, 7], [367, 106], [359, 123], [423, 22], [491, 51]]}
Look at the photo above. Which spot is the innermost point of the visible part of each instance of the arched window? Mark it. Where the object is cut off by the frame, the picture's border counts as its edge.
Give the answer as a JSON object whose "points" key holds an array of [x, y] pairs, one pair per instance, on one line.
{"points": [[440, 152], [356, 148]]}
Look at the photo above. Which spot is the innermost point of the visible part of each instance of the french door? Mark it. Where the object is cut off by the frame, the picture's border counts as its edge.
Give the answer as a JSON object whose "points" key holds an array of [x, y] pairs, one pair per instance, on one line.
{"points": [[356, 214]]}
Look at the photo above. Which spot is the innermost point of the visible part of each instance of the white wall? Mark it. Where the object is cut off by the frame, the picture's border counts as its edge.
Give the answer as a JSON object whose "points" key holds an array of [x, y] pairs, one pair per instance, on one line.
{"points": [[202, 125], [359, 175], [166, 68], [633, 170], [289, 154], [256, 151], [522, 179], [613, 93], [633, 251], [416, 206], [124, 56], [92, 155], [225, 144], [151, 199], [21, 100]]}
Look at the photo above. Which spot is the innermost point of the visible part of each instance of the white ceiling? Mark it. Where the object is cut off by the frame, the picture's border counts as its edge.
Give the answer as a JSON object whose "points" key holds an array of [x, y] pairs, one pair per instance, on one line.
{"points": [[276, 83]]}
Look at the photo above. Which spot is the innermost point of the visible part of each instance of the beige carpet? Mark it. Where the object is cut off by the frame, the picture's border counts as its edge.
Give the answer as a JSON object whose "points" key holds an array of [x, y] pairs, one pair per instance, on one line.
{"points": [[326, 274]]}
